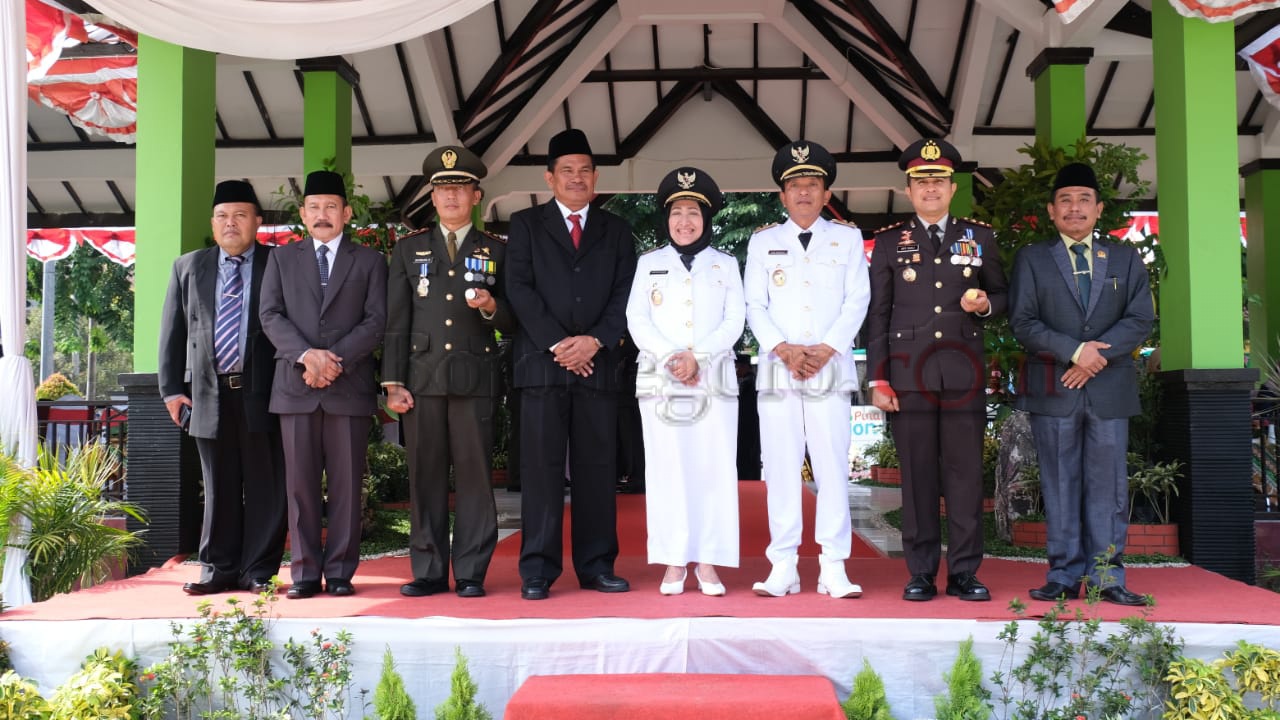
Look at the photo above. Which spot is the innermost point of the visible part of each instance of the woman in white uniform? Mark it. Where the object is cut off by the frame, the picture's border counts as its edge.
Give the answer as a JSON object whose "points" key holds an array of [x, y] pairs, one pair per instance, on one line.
{"points": [[685, 312]]}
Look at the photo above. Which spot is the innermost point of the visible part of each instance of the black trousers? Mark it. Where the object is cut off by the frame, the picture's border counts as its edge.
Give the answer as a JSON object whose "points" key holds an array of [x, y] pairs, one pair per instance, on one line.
{"points": [[242, 536], [583, 422], [939, 441]]}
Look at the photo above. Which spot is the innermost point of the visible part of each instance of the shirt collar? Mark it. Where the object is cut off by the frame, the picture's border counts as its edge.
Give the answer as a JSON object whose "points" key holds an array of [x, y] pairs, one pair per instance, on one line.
{"points": [[247, 254], [461, 232], [942, 223], [565, 212], [332, 244], [1088, 241]]}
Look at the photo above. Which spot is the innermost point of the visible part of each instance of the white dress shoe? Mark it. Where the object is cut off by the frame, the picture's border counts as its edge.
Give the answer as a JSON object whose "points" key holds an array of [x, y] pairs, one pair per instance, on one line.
{"points": [[676, 587], [783, 580], [833, 581], [714, 589]]}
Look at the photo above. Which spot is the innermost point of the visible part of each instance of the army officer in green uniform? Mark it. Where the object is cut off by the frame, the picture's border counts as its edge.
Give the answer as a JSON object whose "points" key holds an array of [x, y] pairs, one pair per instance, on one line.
{"points": [[441, 370]]}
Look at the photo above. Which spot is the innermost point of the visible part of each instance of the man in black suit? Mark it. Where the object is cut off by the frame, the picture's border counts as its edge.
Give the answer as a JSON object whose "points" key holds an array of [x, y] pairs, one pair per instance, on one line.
{"points": [[934, 279], [442, 371], [569, 271], [216, 365], [1080, 304], [324, 306]]}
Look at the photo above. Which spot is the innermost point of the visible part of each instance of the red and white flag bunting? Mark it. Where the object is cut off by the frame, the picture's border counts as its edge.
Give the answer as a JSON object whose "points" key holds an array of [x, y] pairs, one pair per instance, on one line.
{"points": [[1069, 10], [1221, 10], [100, 94], [118, 244], [1263, 57]]}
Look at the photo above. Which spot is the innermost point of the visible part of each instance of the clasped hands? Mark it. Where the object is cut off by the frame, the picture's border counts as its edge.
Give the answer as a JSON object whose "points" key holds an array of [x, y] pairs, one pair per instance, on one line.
{"points": [[683, 366], [575, 353], [320, 368], [804, 361], [1089, 364]]}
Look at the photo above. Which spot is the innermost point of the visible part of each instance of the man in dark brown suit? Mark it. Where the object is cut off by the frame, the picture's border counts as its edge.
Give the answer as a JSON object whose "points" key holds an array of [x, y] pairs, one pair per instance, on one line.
{"points": [[442, 371], [934, 278], [324, 306]]}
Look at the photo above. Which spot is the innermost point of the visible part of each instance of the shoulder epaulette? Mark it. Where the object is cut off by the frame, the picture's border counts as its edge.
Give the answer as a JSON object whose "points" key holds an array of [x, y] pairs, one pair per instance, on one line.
{"points": [[494, 236], [890, 226], [976, 222], [415, 233], [846, 223], [765, 227]]}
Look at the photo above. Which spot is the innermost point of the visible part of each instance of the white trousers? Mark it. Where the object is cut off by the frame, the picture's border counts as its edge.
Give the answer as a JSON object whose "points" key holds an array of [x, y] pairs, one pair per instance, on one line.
{"points": [[788, 421]]}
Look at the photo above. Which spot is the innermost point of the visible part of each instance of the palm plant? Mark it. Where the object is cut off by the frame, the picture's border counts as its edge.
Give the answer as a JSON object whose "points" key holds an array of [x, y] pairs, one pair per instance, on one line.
{"points": [[68, 544]]}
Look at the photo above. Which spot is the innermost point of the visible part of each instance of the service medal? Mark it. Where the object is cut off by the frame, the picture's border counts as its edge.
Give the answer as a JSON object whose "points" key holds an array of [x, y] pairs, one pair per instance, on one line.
{"points": [[655, 297], [909, 274], [490, 280], [955, 259], [976, 262], [423, 285], [968, 271], [468, 276], [779, 277], [915, 257]]}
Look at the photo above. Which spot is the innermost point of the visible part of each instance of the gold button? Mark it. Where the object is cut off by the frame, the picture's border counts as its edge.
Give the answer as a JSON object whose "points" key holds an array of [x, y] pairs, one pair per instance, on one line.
{"points": [[899, 334], [937, 261], [808, 334], [806, 260], [806, 283], [448, 322], [806, 308], [688, 281], [488, 349], [452, 273], [937, 308], [688, 323], [448, 296], [688, 302], [938, 334], [938, 284], [448, 346]]}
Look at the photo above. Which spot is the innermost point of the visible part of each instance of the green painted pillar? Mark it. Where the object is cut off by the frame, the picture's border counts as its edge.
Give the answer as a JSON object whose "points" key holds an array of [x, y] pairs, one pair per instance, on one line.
{"points": [[326, 123], [174, 172], [962, 201], [1205, 412], [1058, 74], [1262, 208]]}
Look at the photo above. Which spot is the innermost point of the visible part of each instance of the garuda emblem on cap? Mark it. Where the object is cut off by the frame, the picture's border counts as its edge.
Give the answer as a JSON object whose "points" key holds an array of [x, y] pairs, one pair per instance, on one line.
{"points": [[686, 180], [930, 151], [800, 154], [449, 158]]}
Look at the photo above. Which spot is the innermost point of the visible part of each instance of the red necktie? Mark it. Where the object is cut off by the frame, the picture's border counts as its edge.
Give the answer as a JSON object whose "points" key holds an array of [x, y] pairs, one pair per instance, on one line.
{"points": [[576, 231]]}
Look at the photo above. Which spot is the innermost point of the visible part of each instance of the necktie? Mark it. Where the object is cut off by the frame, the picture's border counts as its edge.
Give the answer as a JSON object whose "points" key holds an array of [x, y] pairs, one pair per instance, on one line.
{"points": [[322, 257], [576, 231], [688, 261], [1084, 279], [226, 330], [805, 237], [453, 245], [935, 234]]}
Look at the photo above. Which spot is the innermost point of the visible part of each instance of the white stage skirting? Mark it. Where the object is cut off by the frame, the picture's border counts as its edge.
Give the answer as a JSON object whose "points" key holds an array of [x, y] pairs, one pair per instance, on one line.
{"points": [[911, 655]]}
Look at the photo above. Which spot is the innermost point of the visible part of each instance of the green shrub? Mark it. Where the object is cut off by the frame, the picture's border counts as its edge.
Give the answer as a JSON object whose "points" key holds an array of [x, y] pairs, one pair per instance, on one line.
{"points": [[1202, 690], [105, 688], [20, 699], [55, 386], [387, 478], [868, 700], [965, 698], [461, 703], [390, 700]]}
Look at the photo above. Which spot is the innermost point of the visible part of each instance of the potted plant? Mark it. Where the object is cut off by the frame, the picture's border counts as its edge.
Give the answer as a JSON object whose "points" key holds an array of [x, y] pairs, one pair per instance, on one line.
{"points": [[885, 467], [1152, 487]]}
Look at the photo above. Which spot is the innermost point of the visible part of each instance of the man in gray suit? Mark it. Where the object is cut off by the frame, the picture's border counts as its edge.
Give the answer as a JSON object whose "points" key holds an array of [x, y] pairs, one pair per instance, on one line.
{"points": [[324, 306], [215, 378], [1080, 303]]}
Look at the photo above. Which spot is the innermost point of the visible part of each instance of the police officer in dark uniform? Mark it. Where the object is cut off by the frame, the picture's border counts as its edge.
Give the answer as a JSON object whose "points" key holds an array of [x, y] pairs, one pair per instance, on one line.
{"points": [[441, 368], [934, 279]]}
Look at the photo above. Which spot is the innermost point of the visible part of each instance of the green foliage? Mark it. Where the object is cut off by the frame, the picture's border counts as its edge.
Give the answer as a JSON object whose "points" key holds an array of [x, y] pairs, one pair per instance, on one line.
{"points": [[105, 687], [55, 386], [390, 700], [20, 699], [883, 453], [68, 544], [965, 698], [1244, 683], [868, 700], [1152, 487], [1070, 668], [461, 703], [387, 477], [320, 674]]}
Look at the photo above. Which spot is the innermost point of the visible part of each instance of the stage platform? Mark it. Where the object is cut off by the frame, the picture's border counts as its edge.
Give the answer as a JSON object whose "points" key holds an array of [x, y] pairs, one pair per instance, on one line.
{"points": [[507, 640]]}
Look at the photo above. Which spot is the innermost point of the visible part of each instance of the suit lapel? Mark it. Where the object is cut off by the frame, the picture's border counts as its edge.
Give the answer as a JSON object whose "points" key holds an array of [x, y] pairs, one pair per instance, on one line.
{"points": [[553, 222], [1101, 255], [344, 257], [206, 280], [1058, 251], [260, 256], [592, 232], [307, 267]]}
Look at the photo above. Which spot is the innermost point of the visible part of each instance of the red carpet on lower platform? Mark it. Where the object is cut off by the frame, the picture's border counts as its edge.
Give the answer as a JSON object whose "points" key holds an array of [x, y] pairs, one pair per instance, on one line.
{"points": [[1183, 594]]}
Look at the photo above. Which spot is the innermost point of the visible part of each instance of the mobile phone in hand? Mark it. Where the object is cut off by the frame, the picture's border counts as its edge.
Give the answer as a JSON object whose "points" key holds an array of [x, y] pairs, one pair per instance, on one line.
{"points": [[184, 418]]}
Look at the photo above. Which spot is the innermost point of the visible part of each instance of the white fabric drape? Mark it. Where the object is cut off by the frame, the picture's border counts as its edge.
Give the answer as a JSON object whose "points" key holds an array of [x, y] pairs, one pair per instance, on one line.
{"points": [[286, 29], [17, 401]]}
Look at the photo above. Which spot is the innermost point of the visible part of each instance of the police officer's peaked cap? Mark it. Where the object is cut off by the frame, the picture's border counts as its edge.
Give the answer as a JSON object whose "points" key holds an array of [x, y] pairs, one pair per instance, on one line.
{"points": [[929, 157], [1076, 175], [567, 142], [803, 159], [690, 183], [235, 191], [325, 182], [452, 165]]}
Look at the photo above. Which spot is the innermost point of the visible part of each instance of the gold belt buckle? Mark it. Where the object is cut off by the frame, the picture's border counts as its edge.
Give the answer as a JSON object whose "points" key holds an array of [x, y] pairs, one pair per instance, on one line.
{"points": [[233, 382]]}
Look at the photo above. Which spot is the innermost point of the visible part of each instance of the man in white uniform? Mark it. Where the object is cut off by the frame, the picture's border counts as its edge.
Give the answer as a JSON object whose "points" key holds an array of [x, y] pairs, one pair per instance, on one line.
{"points": [[807, 293]]}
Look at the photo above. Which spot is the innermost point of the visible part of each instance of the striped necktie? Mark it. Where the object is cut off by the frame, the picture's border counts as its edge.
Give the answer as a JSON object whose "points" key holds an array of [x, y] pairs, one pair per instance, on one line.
{"points": [[226, 331], [322, 258]]}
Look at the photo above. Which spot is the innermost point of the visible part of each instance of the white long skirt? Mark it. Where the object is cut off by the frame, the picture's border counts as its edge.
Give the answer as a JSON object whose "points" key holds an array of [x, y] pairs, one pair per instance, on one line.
{"points": [[691, 479]]}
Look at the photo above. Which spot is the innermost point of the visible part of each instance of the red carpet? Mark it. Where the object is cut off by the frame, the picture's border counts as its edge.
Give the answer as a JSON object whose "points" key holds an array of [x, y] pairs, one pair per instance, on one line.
{"points": [[1187, 594]]}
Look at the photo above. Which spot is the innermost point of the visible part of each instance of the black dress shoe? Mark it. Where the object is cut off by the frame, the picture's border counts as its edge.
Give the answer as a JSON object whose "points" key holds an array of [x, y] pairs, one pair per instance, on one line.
{"points": [[340, 588], [302, 590], [920, 588], [1052, 591], [1119, 595], [259, 585], [206, 588], [536, 588], [423, 588], [967, 586], [605, 583], [469, 589]]}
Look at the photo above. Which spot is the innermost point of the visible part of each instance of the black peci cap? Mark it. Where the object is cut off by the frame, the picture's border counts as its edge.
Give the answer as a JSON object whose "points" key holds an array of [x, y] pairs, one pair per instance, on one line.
{"points": [[235, 191], [1076, 175], [567, 142], [325, 182]]}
